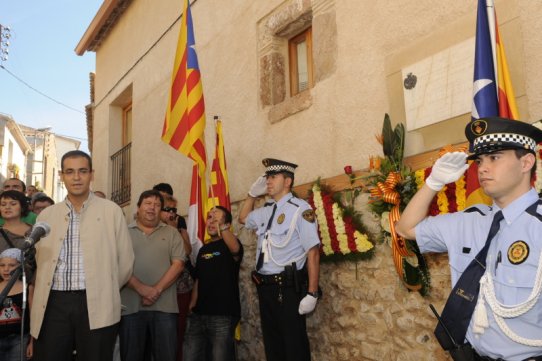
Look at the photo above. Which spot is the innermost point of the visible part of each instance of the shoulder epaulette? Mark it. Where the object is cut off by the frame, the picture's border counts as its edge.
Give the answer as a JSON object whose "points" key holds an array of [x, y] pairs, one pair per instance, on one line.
{"points": [[533, 210], [292, 203], [476, 209]]}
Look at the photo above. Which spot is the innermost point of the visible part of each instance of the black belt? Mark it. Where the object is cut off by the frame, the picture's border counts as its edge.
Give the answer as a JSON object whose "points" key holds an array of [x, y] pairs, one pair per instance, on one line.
{"points": [[71, 291], [274, 279]]}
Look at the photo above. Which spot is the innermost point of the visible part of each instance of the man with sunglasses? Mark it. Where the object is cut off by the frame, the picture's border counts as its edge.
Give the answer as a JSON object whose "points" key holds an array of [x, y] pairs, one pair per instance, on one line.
{"points": [[82, 264]]}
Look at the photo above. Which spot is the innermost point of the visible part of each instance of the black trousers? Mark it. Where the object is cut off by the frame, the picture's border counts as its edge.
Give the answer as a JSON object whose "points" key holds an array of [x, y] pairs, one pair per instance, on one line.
{"points": [[66, 328], [284, 329]]}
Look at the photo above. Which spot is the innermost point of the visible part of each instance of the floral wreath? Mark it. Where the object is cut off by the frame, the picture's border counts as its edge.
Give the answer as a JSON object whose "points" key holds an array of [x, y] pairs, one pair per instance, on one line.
{"points": [[342, 233]]}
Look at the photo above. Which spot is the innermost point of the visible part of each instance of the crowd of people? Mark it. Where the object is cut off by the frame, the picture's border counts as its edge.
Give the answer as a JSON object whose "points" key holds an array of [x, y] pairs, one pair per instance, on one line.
{"points": [[101, 289]]}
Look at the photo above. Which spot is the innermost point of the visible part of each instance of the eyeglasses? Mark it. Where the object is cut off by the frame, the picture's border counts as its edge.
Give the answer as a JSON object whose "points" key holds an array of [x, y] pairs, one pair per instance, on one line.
{"points": [[169, 209]]}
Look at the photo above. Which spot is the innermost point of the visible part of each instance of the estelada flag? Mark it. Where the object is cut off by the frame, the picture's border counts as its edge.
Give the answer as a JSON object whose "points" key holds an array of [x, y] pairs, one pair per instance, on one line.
{"points": [[493, 94], [184, 124], [220, 189]]}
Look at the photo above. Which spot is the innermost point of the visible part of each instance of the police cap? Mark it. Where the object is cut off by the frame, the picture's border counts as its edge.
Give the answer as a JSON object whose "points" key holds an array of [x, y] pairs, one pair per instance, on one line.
{"points": [[274, 166], [488, 135]]}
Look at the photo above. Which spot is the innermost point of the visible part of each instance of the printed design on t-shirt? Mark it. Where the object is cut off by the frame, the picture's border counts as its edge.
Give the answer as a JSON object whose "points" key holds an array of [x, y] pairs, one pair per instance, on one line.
{"points": [[10, 312], [518, 252], [210, 255]]}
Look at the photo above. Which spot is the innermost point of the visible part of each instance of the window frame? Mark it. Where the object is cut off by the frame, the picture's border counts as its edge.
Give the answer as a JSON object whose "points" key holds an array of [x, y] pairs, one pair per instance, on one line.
{"points": [[304, 36]]}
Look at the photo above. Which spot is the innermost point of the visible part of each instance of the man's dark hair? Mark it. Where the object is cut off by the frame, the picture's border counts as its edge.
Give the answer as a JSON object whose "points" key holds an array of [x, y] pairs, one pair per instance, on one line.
{"points": [[289, 175], [164, 187], [19, 197], [76, 154], [22, 183], [151, 193], [43, 199], [522, 152], [227, 214]]}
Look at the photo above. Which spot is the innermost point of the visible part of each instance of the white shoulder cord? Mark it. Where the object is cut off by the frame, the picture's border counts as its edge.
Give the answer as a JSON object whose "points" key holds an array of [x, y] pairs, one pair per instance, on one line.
{"points": [[501, 311], [268, 242]]}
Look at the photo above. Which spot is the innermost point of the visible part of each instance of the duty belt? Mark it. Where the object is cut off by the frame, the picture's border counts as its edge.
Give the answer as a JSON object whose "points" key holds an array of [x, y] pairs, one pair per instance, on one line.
{"points": [[274, 279]]}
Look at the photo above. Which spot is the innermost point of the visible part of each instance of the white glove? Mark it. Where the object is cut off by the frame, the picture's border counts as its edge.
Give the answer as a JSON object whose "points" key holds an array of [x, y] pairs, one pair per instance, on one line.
{"points": [[307, 304], [259, 188], [447, 169]]}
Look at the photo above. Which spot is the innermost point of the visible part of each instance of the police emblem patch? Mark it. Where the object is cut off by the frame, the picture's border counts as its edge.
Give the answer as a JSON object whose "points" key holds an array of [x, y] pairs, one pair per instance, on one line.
{"points": [[518, 252], [308, 215], [479, 127], [280, 219]]}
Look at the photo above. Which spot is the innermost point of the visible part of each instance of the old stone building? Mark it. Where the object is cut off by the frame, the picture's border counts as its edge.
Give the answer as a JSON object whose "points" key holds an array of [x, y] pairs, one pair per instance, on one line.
{"points": [[310, 82]]}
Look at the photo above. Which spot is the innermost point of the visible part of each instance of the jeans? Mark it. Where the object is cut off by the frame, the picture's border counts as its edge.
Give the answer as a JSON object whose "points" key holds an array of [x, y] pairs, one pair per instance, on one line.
{"points": [[161, 327], [10, 347], [212, 334]]}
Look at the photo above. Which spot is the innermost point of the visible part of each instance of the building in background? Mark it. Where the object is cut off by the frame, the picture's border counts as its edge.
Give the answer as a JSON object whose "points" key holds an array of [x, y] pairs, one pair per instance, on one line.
{"points": [[43, 163], [14, 150], [33, 155]]}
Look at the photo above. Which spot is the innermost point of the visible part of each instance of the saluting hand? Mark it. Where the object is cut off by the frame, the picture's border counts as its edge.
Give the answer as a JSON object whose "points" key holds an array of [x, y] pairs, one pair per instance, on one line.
{"points": [[447, 169], [259, 188]]}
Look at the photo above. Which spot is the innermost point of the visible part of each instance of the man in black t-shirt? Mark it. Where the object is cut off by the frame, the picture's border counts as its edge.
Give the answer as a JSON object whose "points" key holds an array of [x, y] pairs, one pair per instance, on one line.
{"points": [[215, 303]]}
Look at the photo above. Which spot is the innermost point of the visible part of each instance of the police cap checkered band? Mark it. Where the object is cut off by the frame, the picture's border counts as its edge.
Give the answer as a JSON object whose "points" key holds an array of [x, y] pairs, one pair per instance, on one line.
{"points": [[273, 166], [504, 139], [491, 134]]}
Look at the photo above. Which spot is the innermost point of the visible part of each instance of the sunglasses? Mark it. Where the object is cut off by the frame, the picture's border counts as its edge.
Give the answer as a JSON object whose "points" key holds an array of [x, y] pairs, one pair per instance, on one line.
{"points": [[169, 209]]}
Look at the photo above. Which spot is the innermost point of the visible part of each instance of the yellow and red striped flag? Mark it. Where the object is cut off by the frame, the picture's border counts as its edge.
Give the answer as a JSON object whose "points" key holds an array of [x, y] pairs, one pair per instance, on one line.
{"points": [[219, 189], [184, 124], [493, 94]]}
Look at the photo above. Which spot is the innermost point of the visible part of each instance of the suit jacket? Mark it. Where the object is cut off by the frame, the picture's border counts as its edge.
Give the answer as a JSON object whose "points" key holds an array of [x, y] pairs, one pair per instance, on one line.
{"points": [[107, 253]]}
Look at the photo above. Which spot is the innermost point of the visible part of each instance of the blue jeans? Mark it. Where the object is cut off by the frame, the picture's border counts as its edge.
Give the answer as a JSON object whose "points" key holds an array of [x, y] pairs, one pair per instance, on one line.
{"points": [[10, 347], [209, 334], [160, 328]]}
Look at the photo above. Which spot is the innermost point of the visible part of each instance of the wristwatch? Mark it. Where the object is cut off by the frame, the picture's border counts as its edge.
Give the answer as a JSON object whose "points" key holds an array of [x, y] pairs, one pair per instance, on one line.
{"points": [[313, 294]]}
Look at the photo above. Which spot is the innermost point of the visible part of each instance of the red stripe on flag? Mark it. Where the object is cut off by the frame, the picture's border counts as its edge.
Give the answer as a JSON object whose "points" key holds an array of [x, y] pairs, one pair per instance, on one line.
{"points": [[180, 132], [179, 82]]}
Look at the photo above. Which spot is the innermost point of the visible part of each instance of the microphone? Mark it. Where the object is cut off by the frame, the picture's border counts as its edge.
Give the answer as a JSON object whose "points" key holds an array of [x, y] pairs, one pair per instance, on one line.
{"points": [[40, 229]]}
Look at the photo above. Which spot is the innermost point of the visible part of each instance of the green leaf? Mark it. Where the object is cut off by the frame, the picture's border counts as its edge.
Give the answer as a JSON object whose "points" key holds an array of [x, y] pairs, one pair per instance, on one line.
{"points": [[399, 143], [387, 137]]}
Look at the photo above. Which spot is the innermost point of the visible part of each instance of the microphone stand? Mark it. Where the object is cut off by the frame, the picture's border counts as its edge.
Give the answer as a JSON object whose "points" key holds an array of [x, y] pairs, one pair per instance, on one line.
{"points": [[23, 314]]}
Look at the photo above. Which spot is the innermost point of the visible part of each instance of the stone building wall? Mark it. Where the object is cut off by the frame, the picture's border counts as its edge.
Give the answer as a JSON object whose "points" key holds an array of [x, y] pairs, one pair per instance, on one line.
{"points": [[365, 313]]}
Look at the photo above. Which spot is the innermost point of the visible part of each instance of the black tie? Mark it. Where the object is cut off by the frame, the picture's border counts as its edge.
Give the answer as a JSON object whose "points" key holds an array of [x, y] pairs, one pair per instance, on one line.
{"points": [[259, 264], [462, 300]]}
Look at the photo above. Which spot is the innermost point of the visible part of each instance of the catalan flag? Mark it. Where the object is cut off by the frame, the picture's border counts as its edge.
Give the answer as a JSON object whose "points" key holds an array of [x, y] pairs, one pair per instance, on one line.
{"points": [[220, 189], [493, 94], [184, 124]]}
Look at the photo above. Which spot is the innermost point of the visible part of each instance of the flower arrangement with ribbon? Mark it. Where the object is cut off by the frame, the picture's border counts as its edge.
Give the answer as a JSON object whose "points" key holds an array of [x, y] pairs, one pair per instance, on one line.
{"points": [[343, 234], [391, 187]]}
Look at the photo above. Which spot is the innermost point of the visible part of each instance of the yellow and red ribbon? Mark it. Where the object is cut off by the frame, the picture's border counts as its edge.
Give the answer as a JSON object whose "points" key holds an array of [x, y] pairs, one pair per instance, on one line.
{"points": [[386, 191]]}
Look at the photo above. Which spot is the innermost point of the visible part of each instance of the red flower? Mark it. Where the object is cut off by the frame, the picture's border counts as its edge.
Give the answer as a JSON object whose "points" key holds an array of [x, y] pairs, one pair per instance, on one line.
{"points": [[348, 169]]}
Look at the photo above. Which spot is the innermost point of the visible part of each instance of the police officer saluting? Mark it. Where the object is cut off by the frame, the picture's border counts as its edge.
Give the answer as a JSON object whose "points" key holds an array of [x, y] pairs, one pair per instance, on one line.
{"points": [[494, 311], [287, 261]]}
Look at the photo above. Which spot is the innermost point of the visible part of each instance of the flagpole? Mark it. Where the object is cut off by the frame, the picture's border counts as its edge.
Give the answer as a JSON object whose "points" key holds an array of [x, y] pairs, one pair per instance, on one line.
{"points": [[490, 9], [208, 175]]}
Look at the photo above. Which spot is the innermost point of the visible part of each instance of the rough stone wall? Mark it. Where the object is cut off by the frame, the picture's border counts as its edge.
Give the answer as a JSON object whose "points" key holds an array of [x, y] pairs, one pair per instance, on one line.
{"points": [[365, 314]]}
